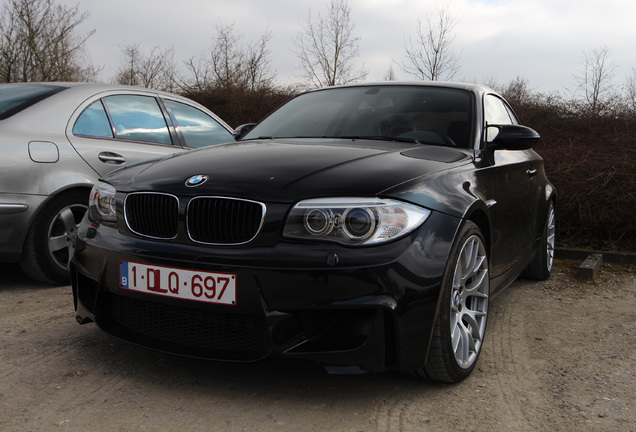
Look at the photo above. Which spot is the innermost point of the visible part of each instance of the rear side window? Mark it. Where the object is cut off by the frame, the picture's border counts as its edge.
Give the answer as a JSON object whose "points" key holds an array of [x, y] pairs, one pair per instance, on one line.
{"points": [[93, 122], [133, 117], [198, 128], [138, 118], [15, 98]]}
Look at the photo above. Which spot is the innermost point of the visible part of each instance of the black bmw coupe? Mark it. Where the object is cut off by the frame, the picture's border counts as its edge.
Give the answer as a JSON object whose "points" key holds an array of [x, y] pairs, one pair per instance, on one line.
{"points": [[365, 227]]}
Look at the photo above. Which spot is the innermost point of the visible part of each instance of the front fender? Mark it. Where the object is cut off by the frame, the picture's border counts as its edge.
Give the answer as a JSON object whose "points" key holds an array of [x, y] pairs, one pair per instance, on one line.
{"points": [[456, 193]]}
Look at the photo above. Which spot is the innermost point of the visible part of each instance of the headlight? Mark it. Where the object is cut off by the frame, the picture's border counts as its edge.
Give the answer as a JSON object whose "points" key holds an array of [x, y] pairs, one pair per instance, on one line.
{"points": [[353, 221], [101, 203]]}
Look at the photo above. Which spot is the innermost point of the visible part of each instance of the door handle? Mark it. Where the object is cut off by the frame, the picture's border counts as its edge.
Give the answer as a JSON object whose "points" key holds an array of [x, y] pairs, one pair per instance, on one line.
{"points": [[531, 172], [111, 158]]}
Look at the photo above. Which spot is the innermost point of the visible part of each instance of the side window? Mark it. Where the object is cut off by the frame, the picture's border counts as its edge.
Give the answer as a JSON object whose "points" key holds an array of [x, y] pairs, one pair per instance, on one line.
{"points": [[138, 118], [93, 122], [495, 112], [198, 128]]}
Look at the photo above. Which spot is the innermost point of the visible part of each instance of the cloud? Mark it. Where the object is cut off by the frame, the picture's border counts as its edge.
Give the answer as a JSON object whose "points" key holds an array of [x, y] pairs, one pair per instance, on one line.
{"points": [[540, 40]]}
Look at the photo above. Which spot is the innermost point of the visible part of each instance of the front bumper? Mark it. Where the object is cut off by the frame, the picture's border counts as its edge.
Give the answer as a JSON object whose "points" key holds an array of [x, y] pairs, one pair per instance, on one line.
{"points": [[372, 309]]}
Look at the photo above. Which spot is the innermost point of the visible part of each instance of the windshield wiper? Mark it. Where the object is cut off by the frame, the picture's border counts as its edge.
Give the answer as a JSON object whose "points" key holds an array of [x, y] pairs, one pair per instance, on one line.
{"points": [[268, 137], [352, 137], [382, 138]]}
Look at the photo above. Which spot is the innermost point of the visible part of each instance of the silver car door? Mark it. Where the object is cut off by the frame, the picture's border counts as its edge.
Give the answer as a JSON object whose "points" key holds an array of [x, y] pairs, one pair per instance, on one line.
{"points": [[122, 129]]}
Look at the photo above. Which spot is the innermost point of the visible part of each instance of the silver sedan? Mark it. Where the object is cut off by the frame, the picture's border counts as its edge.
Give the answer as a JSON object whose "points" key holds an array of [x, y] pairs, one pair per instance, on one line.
{"points": [[57, 139]]}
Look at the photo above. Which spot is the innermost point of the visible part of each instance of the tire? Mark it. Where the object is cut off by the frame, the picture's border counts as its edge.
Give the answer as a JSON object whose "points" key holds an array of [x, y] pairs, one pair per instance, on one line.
{"points": [[540, 268], [460, 327], [50, 242]]}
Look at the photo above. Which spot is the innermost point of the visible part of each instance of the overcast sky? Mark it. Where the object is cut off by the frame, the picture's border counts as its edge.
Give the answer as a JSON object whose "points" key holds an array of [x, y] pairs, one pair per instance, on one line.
{"points": [[542, 41]]}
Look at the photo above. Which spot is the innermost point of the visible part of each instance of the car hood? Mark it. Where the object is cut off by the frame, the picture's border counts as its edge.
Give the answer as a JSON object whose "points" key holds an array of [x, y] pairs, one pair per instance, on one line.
{"points": [[289, 170]]}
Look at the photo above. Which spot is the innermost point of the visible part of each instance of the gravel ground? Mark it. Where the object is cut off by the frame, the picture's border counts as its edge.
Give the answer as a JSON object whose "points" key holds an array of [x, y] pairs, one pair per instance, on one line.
{"points": [[559, 355]]}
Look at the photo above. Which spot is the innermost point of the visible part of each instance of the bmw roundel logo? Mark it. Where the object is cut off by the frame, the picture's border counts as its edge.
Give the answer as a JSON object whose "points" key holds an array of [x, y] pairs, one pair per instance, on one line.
{"points": [[196, 180]]}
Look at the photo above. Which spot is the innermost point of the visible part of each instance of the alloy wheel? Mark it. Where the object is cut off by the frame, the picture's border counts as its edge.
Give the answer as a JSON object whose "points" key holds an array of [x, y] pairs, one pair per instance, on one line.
{"points": [[469, 302], [61, 234], [551, 236]]}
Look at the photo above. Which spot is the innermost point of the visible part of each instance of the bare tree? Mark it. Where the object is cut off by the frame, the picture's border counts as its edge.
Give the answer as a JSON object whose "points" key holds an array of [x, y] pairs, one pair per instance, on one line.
{"points": [[155, 70], [630, 91], [596, 79], [200, 76], [226, 58], [39, 42], [429, 54], [257, 64], [327, 48], [231, 63], [516, 92], [127, 73], [390, 74]]}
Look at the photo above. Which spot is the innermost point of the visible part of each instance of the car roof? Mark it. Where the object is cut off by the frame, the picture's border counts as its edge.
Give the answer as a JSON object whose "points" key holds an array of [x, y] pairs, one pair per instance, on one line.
{"points": [[86, 86], [472, 87], [80, 91]]}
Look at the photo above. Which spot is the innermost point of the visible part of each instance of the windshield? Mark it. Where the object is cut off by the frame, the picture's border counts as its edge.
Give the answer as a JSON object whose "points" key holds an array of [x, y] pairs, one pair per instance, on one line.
{"points": [[431, 115], [15, 98]]}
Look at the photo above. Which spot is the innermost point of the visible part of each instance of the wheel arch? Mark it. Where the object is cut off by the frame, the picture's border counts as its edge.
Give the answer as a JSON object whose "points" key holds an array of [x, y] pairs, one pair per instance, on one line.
{"points": [[549, 196], [70, 189], [49, 241], [478, 215], [480, 218]]}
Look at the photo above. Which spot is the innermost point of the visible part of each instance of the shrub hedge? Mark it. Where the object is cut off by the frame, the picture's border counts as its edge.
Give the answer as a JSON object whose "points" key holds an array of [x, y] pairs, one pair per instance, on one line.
{"points": [[591, 160]]}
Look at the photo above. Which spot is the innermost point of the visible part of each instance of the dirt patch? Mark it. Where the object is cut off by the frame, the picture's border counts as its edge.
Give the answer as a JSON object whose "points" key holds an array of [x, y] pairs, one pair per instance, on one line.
{"points": [[559, 355]]}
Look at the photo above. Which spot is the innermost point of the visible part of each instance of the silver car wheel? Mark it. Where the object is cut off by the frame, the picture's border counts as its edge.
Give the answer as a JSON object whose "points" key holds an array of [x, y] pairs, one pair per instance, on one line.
{"points": [[541, 265], [551, 238], [61, 234], [469, 302]]}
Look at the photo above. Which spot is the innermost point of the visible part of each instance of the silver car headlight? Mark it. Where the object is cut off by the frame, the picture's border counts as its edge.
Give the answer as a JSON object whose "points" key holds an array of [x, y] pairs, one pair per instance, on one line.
{"points": [[353, 221], [101, 203]]}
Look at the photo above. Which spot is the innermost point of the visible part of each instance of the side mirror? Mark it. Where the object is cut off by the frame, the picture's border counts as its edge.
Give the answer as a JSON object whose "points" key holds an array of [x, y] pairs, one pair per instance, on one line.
{"points": [[511, 137], [242, 130]]}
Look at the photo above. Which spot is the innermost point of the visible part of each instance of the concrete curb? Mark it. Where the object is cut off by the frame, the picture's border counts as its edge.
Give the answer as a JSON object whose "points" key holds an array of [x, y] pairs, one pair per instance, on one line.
{"points": [[620, 258]]}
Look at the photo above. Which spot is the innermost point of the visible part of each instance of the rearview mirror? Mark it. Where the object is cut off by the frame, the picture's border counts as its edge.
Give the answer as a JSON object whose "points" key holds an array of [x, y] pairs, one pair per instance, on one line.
{"points": [[511, 137]]}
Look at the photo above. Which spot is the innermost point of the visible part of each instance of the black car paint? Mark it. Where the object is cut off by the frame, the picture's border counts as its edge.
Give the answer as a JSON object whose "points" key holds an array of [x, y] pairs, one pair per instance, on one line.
{"points": [[292, 286], [300, 167], [307, 300], [322, 283]]}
